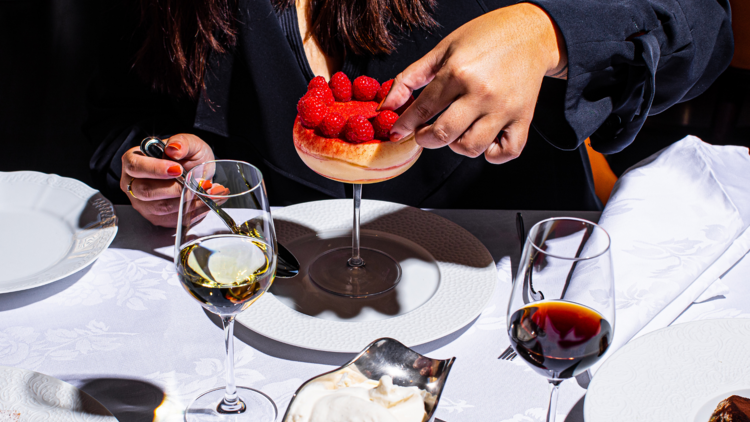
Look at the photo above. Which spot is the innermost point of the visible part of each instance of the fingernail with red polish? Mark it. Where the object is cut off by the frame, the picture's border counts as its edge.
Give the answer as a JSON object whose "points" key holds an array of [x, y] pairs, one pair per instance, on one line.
{"points": [[174, 146], [395, 137], [381, 103], [174, 171]]}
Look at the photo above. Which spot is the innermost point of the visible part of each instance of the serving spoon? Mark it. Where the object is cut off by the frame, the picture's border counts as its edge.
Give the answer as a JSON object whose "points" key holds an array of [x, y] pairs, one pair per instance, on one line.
{"points": [[287, 265]]}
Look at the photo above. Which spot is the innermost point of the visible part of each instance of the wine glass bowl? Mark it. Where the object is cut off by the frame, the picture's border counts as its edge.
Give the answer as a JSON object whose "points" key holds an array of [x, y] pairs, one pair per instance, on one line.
{"points": [[226, 268], [561, 312]]}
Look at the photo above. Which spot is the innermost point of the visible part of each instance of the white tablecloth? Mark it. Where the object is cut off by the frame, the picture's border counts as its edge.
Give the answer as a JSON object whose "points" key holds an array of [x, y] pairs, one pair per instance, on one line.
{"points": [[124, 331]]}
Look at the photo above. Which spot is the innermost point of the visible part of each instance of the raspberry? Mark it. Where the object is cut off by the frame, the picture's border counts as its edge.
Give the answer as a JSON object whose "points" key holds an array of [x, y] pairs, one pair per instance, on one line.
{"points": [[382, 124], [323, 94], [332, 125], [341, 87], [311, 111], [384, 90], [317, 82], [365, 88], [358, 129]]}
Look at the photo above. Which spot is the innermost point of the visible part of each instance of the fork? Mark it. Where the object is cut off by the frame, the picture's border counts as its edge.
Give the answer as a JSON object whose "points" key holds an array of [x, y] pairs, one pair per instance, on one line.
{"points": [[508, 354]]}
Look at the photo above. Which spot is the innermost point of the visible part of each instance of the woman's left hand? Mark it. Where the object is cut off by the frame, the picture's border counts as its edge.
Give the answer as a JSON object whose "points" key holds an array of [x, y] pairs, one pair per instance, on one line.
{"points": [[487, 73]]}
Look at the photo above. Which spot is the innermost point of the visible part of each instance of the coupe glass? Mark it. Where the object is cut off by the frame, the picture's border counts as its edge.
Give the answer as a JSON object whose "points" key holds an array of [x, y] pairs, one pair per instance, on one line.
{"points": [[356, 271], [561, 314], [226, 270]]}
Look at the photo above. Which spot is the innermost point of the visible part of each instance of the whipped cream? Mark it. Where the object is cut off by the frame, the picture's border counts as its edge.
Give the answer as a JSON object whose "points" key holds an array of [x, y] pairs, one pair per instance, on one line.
{"points": [[349, 396]]}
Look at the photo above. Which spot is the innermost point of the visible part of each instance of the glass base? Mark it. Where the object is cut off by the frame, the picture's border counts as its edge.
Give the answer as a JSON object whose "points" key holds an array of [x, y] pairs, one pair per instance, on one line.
{"points": [[332, 273], [258, 407]]}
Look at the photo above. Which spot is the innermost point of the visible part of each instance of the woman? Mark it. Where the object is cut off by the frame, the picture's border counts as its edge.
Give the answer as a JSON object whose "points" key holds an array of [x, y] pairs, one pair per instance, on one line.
{"points": [[230, 91]]}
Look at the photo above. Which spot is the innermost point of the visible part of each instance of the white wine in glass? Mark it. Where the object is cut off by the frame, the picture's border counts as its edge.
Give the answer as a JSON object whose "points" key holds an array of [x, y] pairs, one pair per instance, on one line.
{"points": [[226, 268]]}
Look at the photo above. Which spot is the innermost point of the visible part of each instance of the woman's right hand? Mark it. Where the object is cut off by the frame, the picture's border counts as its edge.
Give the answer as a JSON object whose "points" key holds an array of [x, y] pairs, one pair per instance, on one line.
{"points": [[153, 191]]}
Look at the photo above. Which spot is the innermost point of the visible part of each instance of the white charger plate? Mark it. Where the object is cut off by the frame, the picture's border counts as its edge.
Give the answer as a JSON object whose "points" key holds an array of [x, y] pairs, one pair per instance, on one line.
{"points": [[31, 396], [50, 227], [467, 279], [678, 374]]}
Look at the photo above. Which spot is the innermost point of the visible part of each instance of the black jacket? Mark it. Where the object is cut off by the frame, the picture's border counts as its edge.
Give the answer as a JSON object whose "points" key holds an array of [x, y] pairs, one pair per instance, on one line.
{"points": [[627, 58]]}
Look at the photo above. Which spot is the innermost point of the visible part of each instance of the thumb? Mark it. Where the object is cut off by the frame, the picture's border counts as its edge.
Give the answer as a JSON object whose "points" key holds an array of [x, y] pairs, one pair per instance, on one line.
{"points": [[188, 148], [417, 75]]}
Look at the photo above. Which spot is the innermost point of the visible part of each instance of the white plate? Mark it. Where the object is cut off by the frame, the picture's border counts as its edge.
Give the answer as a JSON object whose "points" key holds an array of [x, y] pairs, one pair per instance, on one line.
{"points": [[31, 396], [673, 374], [466, 281], [50, 227]]}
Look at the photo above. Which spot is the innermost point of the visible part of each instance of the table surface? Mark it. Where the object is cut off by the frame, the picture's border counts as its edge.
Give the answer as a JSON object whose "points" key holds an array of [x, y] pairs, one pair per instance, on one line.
{"points": [[124, 331]]}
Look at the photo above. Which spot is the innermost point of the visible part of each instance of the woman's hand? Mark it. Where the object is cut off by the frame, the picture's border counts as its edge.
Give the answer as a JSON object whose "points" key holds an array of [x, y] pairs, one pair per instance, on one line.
{"points": [[153, 191], [487, 73]]}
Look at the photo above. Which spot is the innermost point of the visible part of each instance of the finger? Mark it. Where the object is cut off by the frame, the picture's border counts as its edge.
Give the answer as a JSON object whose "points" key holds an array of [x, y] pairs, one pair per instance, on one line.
{"points": [[137, 165], [154, 190], [417, 75], [509, 144], [475, 141], [161, 207], [187, 147], [169, 221], [438, 95], [164, 219], [218, 190], [449, 126]]}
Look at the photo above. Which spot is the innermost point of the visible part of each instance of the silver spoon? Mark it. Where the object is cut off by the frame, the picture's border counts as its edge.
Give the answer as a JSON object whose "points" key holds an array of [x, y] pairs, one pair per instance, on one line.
{"points": [[287, 265]]}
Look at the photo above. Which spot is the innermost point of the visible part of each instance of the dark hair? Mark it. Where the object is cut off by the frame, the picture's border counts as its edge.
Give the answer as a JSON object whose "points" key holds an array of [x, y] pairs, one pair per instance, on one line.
{"points": [[181, 33]]}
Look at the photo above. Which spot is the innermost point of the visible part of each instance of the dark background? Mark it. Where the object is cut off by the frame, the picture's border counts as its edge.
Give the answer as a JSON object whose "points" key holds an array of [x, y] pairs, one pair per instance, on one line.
{"points": [[47, 57]]}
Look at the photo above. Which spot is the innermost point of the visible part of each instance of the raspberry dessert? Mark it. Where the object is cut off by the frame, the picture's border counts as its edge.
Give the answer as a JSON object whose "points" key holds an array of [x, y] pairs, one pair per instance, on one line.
{"points": [[340, 134]]}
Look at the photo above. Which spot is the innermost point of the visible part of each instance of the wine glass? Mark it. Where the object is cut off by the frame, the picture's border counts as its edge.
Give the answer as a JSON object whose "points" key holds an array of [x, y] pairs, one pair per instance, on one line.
{"points": [[561, 313], [226, 269]]}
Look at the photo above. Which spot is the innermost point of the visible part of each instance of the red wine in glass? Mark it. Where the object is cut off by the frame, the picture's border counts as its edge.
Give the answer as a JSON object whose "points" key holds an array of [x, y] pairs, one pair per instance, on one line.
{"points": [[561, 312], [559, 339]]}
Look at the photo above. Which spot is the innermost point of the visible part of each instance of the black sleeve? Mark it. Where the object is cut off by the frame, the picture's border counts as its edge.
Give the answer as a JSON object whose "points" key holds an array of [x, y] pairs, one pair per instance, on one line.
{"points": [[122, 110], [628, 59]]}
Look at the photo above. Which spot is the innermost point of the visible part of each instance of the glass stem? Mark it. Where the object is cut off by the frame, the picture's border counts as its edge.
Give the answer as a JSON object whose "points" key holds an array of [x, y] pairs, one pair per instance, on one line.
{"points": [[552, 410], [231, 402], [356, 260]]}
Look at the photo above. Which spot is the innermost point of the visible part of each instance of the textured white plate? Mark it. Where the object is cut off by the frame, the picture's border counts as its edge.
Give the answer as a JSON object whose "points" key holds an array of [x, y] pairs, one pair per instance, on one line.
{"points": [[672, 374], [31, 396], [467, 279], [50, 227]]}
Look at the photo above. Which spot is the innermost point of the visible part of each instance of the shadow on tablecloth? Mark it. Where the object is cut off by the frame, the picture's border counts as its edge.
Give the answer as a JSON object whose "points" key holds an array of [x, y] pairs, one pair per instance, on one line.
{"points": [[576, 413], [300, 354], [15, 300], [128, 400]]}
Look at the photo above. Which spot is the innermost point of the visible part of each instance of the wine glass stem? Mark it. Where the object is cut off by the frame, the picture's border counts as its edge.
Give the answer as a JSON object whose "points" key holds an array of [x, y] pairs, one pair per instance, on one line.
{"points": [[356, 260], [231, 402], [552, 410]]}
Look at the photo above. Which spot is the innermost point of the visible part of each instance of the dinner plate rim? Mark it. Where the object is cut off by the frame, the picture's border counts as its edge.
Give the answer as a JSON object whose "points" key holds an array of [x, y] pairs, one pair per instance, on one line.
{"points": [[600, 380], [84, 192], [60, 386], [254, 319]]}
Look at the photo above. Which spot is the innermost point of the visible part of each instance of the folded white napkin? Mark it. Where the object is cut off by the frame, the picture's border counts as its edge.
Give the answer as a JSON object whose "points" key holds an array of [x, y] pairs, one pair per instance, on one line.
{"points": [[678, 221]]}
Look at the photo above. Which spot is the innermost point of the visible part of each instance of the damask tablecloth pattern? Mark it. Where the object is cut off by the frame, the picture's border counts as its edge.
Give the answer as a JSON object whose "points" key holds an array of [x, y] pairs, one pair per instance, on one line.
{"points": [[124, 331]]}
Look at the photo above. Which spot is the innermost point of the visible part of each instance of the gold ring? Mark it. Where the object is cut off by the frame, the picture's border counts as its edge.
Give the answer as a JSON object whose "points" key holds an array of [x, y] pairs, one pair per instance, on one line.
{"points": [[130, 187]]}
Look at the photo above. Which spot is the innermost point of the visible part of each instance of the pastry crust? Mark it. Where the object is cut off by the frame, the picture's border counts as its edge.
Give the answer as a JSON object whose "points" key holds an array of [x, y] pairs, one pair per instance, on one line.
{"points": [[732, 409], [373, 155]]}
